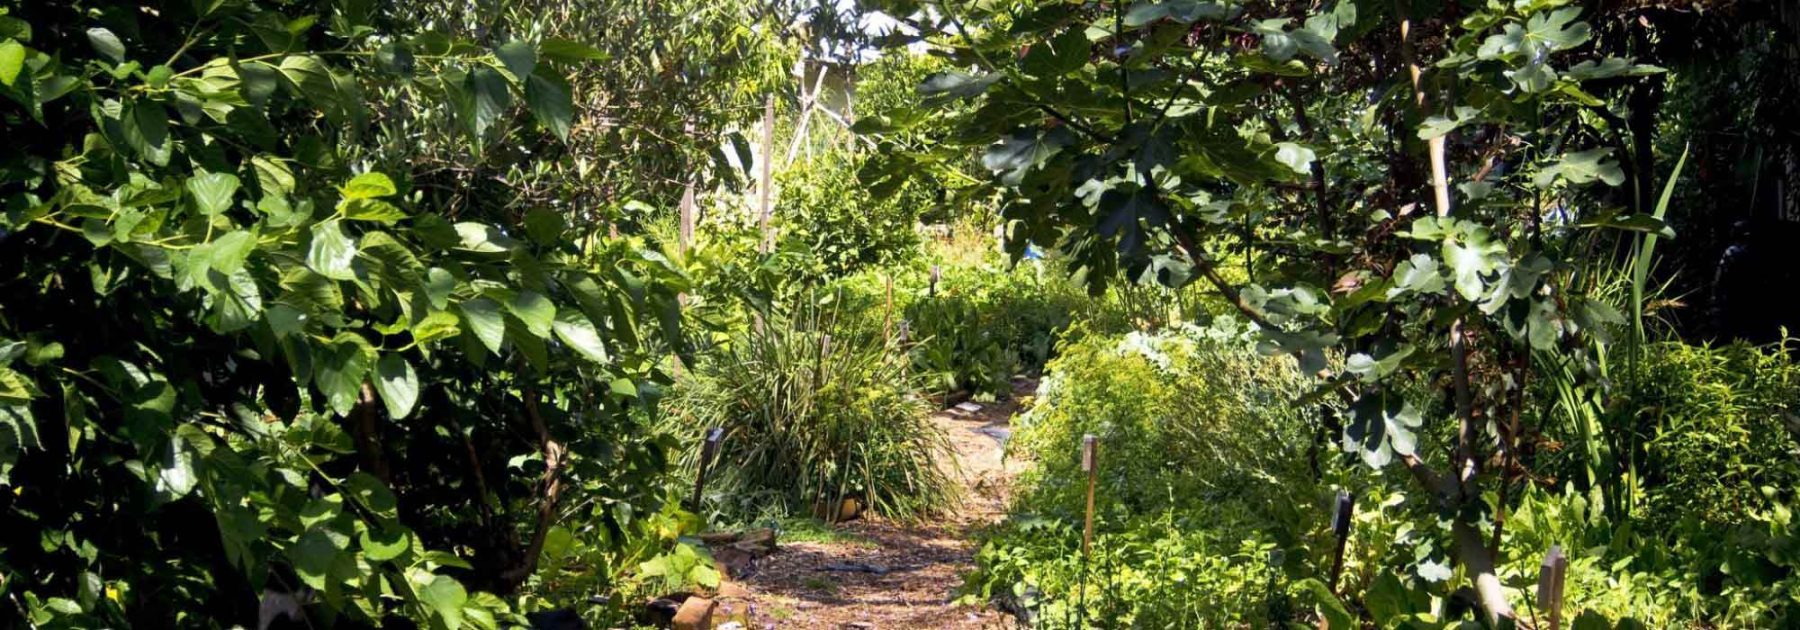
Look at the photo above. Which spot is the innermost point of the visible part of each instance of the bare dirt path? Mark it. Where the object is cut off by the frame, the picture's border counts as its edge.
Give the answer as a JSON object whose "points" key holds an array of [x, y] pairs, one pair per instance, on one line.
{"points": [[907, 572]]}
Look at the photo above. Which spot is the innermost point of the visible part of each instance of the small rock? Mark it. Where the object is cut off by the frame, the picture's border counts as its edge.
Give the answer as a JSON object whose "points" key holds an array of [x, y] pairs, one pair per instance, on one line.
{"points": [[859, 625], [695, 614], [730, 625], [968, 407], [733, 590], [737, 564]]}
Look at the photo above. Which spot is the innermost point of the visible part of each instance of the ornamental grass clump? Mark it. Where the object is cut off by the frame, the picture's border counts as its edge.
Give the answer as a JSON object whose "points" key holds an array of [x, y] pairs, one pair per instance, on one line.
{"points": [[813, 422]]}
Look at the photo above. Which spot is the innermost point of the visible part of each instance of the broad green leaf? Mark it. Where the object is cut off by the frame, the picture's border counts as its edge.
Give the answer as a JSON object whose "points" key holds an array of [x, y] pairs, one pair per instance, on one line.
{"points": [[534, 310], [437, 325], [212, 192], [1296, 157], [491, 98], [230, 250], [145, 125], [1382, 425], [545, 226], [439, 284], [445, 597], [381, 545], [953, 84], [331, 252], [107, 44], [550, 104], [371, 210], [481, 237], [368, 186], [395, 58], [397, 384], [313, 556], [1581, 167], [518, 57], [575, 330], [569, 51], [342, 366], [12, 60], [482, 317]]}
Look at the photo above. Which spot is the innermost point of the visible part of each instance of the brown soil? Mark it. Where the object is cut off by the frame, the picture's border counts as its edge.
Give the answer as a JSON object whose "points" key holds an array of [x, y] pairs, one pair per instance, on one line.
{"points": [[924, 562]]}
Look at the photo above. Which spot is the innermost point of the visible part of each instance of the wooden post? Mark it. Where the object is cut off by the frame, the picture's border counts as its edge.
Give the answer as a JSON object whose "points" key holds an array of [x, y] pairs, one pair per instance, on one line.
{"points": [[1550, 587], [1340, 526], [764, 182], [936, 272], [1089, 465], [708, 450], [687, 217], [887, 307]]}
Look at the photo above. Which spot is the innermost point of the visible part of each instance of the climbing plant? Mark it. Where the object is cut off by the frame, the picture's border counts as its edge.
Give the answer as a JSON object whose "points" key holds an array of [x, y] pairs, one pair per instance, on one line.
{"points": [[1415, 187], [243, 370]]}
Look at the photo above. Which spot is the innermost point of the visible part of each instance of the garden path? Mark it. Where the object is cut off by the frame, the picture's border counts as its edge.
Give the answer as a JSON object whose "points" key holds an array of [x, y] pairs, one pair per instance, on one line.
{"points": [[878, 574]]}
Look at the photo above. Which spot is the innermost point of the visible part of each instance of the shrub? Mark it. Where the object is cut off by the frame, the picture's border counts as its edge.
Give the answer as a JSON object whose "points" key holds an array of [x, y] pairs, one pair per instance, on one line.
{"points": [[1719, 428], [810, 417], [1204, 471]]}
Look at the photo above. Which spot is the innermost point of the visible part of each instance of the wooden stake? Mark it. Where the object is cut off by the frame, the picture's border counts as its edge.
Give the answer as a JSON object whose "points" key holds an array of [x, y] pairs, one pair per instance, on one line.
{"points": [[764, 182], [1340, 526], [1550, 586], [1089, 465], [937, 272]]}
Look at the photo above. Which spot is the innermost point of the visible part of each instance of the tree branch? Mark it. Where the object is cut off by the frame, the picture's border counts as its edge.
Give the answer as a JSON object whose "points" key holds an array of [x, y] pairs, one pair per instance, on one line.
{"points": [[551, 485]]}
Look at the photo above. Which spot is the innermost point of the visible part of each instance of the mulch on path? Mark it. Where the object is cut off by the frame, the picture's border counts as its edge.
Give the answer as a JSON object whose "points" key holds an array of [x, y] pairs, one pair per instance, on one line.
{"points": [[893, 575]]}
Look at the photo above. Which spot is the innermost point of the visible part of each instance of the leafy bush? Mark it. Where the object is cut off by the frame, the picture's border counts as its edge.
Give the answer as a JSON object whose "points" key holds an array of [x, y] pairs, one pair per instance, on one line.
{"points": [[1204, 470], [1720, 430], [826, 208], [1190, 407], [812, 418]]}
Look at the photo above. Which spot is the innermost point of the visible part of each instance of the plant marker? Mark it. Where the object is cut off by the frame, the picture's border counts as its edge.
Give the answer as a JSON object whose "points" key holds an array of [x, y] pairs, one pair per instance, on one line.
{"points": [[1340, 527], [708, 450], [1550, 586]]}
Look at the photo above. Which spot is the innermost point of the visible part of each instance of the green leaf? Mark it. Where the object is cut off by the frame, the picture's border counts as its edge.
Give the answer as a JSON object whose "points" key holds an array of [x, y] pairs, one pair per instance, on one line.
{"points": [[107, 44], [569, 51], [397, 384], [1380, 426], [484, 238], [342, 365], [331, 253], [18, 428], [383, 545], [12, 60], [1296, 157], [491, 98], [395, 58], [146, 128], [1581, 167], [445, 597], [575, 330], [313, 556], [518, 57], [374, 210], [482, 317], [213, 192], [439, 284], [1330, 607], [176, 477], [534, 310], [550, 104], [230, 250], [369, 186], [953, 84], [545, 226]]}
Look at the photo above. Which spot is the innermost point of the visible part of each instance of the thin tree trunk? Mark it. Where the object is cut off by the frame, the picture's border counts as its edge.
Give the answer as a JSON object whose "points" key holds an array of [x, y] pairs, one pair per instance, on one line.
{"points": [[1471, 552]]}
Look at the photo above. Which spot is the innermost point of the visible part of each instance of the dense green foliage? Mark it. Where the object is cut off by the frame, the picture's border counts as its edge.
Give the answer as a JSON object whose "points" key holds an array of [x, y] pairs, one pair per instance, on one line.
{"points": [[1204, 470], [298, 307]]}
